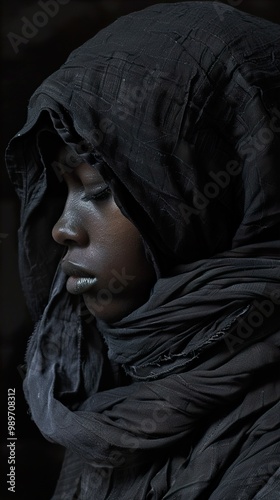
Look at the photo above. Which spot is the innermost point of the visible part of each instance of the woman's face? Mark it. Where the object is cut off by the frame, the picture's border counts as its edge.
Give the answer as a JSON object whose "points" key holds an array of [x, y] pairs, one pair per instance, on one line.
{"points": [[105, 258]]}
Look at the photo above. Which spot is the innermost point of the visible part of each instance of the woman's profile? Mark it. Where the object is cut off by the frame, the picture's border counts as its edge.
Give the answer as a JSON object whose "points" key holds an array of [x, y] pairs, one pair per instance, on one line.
{"points": [[148, 173]]}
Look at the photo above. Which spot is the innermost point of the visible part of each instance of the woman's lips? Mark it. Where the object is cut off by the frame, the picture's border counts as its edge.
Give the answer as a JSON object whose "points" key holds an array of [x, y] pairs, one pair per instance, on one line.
{"points": [[80, 280], [80, 285]]}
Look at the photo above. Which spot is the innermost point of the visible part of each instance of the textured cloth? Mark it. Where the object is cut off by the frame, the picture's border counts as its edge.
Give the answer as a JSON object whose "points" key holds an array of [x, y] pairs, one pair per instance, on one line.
{"points": [[178, 106]]}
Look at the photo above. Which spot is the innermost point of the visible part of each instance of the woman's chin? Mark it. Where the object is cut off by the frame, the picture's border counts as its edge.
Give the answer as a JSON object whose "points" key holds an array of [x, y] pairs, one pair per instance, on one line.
{"points": [[111, 311]]}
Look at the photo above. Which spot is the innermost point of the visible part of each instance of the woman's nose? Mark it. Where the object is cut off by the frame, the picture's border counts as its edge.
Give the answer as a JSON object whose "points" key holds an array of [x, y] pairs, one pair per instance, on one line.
{"points": [[69, 231]]}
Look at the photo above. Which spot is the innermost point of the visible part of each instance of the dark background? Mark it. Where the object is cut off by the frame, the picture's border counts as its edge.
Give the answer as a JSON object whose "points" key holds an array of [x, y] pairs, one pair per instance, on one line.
{"points": [[24, 66]]}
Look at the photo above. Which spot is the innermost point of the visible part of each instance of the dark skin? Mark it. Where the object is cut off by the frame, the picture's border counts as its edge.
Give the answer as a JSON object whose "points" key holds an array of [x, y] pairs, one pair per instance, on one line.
{"points": [[105, 258]]}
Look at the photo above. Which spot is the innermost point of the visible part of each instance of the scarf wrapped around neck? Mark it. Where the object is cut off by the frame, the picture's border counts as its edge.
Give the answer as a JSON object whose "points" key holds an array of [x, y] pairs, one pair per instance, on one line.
{"points": [[179, 399], [204, 344]]}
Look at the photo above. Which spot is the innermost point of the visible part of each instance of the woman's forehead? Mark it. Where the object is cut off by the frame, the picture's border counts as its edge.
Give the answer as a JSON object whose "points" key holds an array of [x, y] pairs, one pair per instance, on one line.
{"points": [[75, 165]]}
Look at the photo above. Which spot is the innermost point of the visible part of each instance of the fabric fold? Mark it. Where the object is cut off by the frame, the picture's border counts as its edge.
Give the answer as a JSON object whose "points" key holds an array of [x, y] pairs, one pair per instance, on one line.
{"points": [[177, 107]]}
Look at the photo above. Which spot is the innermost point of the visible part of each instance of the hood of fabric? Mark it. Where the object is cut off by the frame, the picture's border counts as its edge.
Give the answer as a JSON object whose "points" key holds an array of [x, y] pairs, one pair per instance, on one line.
{"points": [[178, 106], [184, 123]]}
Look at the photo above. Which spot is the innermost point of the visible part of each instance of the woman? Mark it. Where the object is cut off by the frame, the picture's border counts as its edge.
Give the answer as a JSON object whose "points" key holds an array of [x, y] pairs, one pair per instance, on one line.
{"points": [[149, 253]]}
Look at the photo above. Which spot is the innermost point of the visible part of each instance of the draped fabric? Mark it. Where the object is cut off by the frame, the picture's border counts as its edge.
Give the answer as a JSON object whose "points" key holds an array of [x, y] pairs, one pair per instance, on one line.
{"points": [[178, 106]]}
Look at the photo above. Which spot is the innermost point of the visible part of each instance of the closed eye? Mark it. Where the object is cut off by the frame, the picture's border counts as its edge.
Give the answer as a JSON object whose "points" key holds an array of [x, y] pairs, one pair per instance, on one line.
{"points": [[99, 195]]}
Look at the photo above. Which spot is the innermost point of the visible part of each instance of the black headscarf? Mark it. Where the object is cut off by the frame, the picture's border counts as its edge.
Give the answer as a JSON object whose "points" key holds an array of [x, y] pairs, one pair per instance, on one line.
{"points": [[178, 106]]}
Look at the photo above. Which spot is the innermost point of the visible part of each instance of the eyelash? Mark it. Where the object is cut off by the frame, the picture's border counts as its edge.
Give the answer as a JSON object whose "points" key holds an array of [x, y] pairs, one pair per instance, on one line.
{"points": [[100, 196]]}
